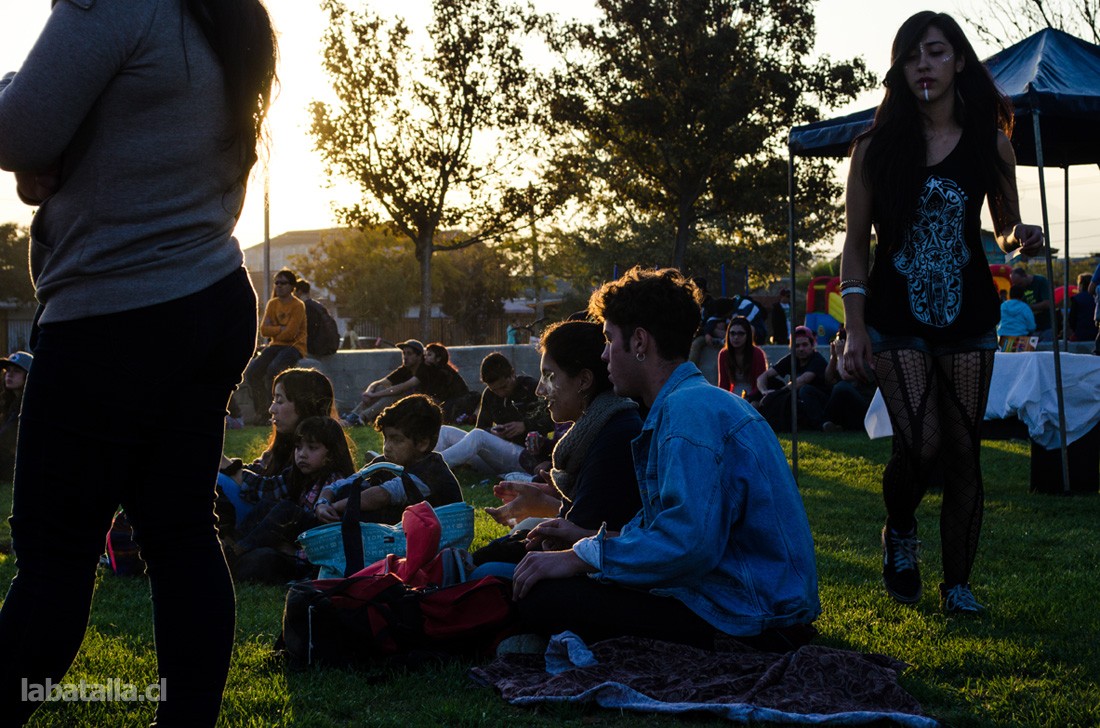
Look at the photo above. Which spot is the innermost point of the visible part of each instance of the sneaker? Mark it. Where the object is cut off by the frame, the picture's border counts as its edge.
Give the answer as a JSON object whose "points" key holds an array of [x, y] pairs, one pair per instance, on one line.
{"points": [[959, 600], [900, 569]]}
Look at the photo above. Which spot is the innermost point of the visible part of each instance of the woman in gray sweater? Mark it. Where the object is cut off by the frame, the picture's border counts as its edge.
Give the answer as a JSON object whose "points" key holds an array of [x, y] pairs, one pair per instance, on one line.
{"points": [[132, 125]]}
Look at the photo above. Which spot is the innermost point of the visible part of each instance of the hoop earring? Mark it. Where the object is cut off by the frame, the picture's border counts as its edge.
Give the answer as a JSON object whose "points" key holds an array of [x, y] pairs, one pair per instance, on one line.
{"points": [[640, 356]]}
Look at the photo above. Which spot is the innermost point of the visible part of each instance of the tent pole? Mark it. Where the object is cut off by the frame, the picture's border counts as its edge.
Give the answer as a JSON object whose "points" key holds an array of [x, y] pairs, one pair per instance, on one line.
{"points": [[794, 317], [1065, 268], [1050, 277]]}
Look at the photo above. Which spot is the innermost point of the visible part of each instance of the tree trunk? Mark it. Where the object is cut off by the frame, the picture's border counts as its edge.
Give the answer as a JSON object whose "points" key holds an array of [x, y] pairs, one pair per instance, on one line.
{"points": [[683, 235], [424, 255]]}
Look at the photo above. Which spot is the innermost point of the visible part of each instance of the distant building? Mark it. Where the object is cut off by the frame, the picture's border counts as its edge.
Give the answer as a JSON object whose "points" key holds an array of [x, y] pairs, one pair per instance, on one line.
{"points": [[283, 248]]}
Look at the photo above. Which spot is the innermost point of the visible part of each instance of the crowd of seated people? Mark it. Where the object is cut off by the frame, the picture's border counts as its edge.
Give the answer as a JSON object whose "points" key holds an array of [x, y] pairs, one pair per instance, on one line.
{"points": [[306, 474], [630, 396]]}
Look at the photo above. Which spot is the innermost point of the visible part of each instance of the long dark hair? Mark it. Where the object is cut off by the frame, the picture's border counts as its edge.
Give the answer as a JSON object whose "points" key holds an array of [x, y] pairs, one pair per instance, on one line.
{"points": [[444, 356], [739, 360], [311, 393], [241, 35], [323, 431], [575, 346], [896, 152]]}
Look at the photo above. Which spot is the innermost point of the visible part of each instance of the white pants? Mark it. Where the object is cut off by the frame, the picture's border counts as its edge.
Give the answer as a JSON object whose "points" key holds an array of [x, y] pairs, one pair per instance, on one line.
{"points": [[480, 449]]}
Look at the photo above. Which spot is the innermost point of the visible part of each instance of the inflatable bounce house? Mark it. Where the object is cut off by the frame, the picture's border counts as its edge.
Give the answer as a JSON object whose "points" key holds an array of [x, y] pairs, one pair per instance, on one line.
{"points": [[1000, 278], [824, 310]]}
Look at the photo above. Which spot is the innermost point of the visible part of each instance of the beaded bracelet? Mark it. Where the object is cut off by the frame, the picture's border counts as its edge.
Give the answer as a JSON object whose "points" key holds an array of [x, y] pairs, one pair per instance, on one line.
{"points": [[853, 291], [853, 282]]}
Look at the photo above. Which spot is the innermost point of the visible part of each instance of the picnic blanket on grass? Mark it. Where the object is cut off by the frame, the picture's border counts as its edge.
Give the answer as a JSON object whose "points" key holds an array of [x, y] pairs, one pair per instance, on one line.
{"points": [[812, 685]]}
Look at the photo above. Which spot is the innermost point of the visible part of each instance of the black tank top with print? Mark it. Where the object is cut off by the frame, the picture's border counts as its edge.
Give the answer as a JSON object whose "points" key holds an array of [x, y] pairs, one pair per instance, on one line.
{"points": [[937, 284]]}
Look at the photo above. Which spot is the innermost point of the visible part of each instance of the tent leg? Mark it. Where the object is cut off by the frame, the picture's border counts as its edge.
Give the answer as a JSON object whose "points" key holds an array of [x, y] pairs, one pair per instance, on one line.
{"points": [[794, 317], [1065, 267], [1050, 277]]}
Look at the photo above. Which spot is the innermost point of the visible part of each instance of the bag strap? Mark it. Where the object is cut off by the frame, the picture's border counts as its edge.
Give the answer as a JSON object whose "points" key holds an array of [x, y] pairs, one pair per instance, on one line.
{"points": [[349, 529], [412, 493]]}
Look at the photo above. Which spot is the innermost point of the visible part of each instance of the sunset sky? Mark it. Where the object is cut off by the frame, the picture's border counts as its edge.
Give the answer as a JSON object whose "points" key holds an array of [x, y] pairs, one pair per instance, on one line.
{"points": [[301, 197]]}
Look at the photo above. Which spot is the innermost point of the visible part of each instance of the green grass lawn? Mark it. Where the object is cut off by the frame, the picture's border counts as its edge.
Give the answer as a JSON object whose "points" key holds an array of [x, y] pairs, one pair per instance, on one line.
{"points": [[1031, 661]]}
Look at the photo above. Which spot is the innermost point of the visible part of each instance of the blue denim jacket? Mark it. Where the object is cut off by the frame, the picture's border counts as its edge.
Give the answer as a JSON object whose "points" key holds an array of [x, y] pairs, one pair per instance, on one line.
{"points": [[722, 526]]}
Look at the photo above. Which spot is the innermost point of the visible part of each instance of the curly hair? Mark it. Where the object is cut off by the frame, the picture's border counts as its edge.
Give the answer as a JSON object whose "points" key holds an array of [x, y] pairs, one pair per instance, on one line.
{"points": [[663, 302], [416, 416]]}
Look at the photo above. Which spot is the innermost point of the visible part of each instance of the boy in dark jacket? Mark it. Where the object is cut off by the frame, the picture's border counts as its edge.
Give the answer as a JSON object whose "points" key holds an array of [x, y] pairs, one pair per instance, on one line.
{"points": [[409, 430]]}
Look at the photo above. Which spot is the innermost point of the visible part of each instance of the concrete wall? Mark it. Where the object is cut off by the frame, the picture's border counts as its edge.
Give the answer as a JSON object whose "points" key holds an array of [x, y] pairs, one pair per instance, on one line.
{"points": [[352, 371]]}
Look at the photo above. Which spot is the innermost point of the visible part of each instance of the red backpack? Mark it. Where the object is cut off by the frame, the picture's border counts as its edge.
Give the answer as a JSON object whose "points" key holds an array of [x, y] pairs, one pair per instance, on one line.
{"points": [[399, 610]]}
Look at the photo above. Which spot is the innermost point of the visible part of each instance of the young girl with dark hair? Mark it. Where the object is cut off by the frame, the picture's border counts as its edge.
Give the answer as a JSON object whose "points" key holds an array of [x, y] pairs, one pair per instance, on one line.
{"points": [[296, 395], [741, 361], [921, 319], [264, 549], [133, 126]]}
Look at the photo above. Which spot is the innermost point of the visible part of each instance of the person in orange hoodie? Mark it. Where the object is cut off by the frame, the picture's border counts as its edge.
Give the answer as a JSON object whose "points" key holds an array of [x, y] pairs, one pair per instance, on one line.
{"points": [[284, 323]]}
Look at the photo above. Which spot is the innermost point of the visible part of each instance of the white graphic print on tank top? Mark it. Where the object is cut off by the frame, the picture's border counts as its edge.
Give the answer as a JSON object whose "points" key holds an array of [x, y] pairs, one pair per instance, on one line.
{"points": [[934, 253]]}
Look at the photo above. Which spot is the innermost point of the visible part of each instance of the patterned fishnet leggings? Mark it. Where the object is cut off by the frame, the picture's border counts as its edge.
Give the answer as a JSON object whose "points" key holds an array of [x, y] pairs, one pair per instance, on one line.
{"points": [[936, 406]]}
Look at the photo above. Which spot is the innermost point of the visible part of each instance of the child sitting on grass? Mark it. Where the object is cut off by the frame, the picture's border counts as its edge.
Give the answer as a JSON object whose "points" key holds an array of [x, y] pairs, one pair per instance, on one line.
{"points": [[409, 429], [265, 549]]}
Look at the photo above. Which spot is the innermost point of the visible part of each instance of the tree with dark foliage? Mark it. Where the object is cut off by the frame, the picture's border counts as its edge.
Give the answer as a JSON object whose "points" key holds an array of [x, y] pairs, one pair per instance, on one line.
{"points": [[432, 140], [679, 109], [15, 276]]}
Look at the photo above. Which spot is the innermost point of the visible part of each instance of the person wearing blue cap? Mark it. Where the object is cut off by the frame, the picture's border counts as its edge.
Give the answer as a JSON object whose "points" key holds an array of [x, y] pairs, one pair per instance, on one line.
{"points": [[15, 369]]}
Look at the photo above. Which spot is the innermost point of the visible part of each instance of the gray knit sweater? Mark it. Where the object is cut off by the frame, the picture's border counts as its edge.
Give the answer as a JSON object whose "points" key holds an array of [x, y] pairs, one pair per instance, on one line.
{"points": [[126, 96]]}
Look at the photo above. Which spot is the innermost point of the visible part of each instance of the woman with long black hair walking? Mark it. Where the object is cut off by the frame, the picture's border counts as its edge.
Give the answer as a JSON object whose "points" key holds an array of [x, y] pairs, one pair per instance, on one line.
{"points": [[922, 319], [133, 127]]}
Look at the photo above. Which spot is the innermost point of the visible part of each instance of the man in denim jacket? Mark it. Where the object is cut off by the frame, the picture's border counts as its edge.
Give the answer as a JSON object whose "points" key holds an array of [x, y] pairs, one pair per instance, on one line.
{"points": [[722, 543]]}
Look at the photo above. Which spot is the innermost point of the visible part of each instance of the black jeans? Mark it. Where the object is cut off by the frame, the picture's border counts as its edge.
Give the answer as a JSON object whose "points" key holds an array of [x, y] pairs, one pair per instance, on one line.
{"points": [[93, 436], [847, 406], [596, 611]]}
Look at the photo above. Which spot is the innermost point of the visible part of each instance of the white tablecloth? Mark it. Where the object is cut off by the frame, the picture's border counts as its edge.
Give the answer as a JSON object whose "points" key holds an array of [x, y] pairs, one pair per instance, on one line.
{"points": [[1023, 385]]}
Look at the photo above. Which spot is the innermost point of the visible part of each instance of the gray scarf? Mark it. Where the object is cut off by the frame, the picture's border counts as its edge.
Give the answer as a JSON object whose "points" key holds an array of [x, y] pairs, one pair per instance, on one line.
{"points": [[573, 446]]}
